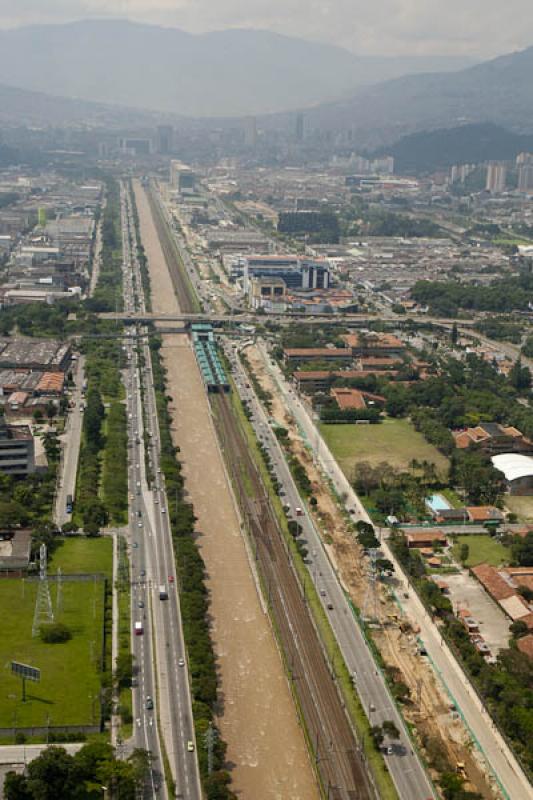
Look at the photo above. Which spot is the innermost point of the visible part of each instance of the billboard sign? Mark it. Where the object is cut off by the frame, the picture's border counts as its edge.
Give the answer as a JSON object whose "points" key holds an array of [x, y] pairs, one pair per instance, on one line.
{"points": [[25, 671]]}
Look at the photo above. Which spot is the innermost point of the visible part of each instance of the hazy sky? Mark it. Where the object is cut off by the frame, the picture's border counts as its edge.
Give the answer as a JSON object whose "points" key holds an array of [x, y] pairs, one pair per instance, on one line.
{"points": [[481, 28]]}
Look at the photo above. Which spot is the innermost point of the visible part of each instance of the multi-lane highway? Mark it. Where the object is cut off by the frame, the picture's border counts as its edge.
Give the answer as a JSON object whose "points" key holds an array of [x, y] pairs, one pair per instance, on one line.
{"points": [[164, 678], [499, 759], [406, 768]]}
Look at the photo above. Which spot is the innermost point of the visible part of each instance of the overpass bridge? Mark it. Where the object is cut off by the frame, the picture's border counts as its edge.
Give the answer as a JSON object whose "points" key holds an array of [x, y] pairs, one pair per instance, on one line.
{"points": [[249, 318]]}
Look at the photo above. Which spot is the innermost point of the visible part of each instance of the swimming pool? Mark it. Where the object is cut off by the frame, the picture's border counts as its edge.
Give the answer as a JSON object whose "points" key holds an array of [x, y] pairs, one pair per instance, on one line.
{"points": [[437, 502]]}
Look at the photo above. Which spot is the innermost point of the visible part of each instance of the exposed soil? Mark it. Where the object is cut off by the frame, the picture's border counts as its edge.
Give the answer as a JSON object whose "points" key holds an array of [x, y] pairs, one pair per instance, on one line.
{"points": [[430, 707], [266, 747]]}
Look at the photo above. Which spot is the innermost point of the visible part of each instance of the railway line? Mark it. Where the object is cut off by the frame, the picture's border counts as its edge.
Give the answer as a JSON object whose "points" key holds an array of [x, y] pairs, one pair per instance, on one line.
{"points": [[182, 286], [337, 756]]}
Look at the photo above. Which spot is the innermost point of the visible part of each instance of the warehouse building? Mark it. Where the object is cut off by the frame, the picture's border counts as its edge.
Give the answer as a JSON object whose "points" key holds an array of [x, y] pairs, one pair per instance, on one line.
{"points": [[518, 472]]}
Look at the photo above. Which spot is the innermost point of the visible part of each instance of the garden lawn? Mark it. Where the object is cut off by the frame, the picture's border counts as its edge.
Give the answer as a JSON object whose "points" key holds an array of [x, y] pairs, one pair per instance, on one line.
{"points": [[483, 550], [79, 555], [393, 440], [70, 677]]}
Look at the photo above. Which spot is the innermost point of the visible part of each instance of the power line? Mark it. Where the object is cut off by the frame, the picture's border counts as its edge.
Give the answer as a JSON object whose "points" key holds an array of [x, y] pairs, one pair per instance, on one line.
{"points": [[44, 613]]}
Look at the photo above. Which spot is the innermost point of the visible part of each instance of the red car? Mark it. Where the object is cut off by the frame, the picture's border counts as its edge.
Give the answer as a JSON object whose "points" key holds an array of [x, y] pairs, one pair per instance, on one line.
{"points": [[171, 578]]}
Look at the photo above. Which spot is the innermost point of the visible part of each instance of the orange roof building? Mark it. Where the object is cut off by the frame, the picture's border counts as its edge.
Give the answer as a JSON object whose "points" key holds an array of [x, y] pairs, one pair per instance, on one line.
{"points": [[525, 644]]}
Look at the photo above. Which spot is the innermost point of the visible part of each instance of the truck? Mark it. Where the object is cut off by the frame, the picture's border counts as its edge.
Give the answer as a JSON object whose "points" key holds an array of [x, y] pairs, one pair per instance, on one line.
{"points": [[69, 504], [163, 594], [139, 630]]}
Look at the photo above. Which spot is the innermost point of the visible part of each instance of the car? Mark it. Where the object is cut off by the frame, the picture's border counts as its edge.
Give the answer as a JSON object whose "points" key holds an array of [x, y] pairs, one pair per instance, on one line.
{"points": [[156, 500], [190, 746], [181, 662], [140, 523], [163, 510], [389, 750], [140, 604], [171, 578], [330, 606], [143, 573], [149, 704], [136, 544], [322, 593]]}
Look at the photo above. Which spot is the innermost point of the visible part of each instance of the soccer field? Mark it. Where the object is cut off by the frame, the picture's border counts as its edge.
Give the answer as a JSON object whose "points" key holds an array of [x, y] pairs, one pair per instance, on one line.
{"points": [[394, 441], [70, 676]]}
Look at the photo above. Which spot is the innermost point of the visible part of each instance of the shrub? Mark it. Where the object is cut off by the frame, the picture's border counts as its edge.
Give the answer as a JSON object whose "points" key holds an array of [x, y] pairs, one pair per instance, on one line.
{"points": [[55, 633]]}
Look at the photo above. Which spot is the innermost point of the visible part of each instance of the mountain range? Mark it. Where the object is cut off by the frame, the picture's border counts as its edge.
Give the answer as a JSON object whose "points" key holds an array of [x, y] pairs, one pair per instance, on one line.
{"points": [[498, 91], [224, 73]]}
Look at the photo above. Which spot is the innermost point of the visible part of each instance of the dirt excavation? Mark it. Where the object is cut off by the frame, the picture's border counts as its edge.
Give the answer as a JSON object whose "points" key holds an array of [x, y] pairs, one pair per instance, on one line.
{"points": [[429, 706], [266, 748]]}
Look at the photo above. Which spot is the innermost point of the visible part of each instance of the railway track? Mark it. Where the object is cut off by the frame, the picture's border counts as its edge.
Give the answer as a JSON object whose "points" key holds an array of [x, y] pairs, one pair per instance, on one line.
{"points": [[176, 268], [337, 757]]}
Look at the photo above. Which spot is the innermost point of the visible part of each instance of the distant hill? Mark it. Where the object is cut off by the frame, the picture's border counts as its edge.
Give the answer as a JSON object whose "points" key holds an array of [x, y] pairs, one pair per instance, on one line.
{"points": [[499, 91], [468, 144], [24, 107], [225, 73]]}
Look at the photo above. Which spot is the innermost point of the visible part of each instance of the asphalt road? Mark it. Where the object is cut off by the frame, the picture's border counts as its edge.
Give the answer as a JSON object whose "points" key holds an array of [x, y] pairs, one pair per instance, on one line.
{"points": [[144, 691], [71, 448], [163, 645], [498, 756], [407, 771]]}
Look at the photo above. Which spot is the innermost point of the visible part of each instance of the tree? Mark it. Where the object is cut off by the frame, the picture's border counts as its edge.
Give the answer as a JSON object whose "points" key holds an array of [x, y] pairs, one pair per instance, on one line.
{"points": [[377, 735], [124, 669], [119, 777], [397, 400], [522, 551], [518, 628], [389, 729], [51, 775], [12, 514], [526, 593], [16, 787], [365, 477], [384, 565], [519, 376], [454, 336], [464, 552]]}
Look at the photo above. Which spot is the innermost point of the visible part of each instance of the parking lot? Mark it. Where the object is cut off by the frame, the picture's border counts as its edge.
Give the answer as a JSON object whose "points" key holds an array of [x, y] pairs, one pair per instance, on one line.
{"points": [[466, 592]]}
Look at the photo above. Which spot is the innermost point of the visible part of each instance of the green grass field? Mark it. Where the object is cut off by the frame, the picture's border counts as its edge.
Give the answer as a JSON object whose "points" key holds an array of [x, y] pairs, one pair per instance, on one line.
{"points": [[394, 441], [77, 555], [483, 550], [70, 680]]}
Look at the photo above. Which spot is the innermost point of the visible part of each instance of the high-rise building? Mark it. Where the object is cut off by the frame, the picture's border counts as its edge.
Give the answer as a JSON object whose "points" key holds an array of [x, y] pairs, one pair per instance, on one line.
{"points": [[165, 135], [299, 128], [525, 178], [250, 132], [524, 158], [496, 178], [182, 177]]}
